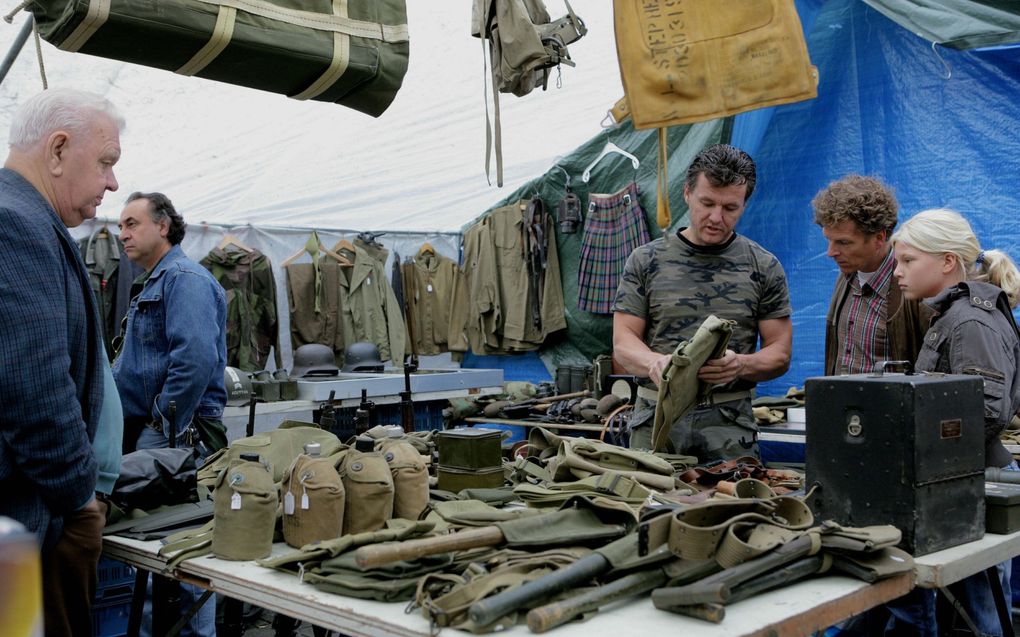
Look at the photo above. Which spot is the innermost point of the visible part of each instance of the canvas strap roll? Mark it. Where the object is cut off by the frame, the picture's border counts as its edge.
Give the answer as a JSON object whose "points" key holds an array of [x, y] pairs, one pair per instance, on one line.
{"points": [[727, 530], [749, 538], [612, 485], [580, 458], [445, 599]]}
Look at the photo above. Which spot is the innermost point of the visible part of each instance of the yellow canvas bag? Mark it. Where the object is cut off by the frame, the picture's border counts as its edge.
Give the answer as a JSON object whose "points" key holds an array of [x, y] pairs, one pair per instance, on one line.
{"points": [[685, 61]]}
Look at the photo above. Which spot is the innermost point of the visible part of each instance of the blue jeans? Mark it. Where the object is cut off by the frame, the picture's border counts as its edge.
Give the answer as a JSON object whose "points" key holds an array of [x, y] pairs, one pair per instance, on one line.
{"points": [[203, 623], [914, 613], [975, 592]]}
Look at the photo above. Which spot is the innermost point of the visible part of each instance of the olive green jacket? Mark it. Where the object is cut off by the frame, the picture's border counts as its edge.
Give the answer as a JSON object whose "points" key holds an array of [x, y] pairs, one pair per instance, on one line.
{"points": [[252, 325], [430, 280], [337, 305]]}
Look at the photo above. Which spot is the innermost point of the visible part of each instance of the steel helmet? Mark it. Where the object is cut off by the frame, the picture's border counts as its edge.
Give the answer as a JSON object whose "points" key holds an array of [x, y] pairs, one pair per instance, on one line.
{"points": [[314, 359], [362, 357], [238, 386]]}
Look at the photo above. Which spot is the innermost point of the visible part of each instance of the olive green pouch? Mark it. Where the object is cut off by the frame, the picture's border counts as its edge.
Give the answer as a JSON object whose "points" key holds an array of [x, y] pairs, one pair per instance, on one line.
{"points": [[369, 491], [313, 501], [244, 511], [410, 478]]}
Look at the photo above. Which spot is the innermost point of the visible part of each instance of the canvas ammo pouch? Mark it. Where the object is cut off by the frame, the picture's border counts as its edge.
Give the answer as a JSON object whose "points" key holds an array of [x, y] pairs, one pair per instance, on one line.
{"points": [[410, 478], [244, 511], [369, 491], [353, 53], [313, 501]]}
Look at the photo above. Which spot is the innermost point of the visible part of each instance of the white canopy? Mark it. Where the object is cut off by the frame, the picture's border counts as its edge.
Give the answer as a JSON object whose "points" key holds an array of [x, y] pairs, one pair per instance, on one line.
{"points": [[234, 156]]}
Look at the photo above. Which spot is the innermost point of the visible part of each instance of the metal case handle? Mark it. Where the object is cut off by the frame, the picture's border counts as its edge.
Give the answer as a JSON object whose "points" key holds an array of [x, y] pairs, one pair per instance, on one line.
{"points": [[881, 368]]}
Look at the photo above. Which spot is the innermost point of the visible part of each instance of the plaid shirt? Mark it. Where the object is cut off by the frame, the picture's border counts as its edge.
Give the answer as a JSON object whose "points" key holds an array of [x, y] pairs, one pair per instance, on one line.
{"points": [[861, 327]]}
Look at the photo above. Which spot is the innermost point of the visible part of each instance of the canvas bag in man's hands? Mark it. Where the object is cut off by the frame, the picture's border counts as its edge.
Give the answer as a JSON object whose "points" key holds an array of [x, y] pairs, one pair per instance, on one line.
{"points": [[352, 53], [685, 61]]}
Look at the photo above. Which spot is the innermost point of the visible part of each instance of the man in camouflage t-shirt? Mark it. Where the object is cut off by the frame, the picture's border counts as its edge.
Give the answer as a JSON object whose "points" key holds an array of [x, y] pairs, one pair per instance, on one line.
{"points": [[672, 284]]}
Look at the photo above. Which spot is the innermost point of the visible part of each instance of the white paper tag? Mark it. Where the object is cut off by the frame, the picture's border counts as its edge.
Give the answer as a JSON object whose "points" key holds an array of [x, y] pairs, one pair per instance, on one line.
{"points": [[429, 287], [235, 501], [368, 281], [304, 502], [288, 503]]}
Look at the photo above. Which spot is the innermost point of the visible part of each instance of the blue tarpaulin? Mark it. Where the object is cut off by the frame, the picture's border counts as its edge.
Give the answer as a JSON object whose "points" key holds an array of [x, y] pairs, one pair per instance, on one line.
{"points": [[939, 125]]}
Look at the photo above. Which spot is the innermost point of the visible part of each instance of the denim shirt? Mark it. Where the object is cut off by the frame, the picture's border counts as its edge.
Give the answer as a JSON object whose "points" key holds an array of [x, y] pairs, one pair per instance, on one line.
{"points": [[174, 345]]}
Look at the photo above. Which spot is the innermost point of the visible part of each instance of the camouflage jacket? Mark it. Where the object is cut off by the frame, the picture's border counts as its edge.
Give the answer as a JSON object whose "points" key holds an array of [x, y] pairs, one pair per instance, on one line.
{"points": [[673, 285], [252, 324]]}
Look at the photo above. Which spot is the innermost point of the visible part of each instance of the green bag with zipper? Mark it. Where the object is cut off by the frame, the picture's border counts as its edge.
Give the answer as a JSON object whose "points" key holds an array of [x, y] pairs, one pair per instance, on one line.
{"points": [[352, 53]]}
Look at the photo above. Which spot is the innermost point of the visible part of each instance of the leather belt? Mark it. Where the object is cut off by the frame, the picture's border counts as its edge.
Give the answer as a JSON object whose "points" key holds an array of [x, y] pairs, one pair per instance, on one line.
{"points": [[716, 398]]}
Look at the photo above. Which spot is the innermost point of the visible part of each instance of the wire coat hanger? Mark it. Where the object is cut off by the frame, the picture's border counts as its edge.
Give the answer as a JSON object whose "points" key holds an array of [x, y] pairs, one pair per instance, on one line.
{"points": [[609, 148]]}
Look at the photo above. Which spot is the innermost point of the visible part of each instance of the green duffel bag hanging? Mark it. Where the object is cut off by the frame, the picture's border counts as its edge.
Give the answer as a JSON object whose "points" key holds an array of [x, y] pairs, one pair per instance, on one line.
{"points": [[313, 499], [244, 511], [369, 491], [353, 53]]}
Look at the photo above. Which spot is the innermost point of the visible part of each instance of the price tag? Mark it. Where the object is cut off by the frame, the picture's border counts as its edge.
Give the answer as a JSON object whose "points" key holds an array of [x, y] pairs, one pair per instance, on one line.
{"points": [[288, 503], [235, 501]]}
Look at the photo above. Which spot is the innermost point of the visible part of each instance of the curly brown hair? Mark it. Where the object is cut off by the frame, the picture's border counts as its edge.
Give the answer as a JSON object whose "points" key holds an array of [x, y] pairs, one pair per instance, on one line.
{"points": [[867, 201]]}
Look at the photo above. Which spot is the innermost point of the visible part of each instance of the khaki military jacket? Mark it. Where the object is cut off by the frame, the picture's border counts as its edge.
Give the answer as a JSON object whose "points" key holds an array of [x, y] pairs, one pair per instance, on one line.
{"points": [[368, 309], [430, 281], [502, 312]]}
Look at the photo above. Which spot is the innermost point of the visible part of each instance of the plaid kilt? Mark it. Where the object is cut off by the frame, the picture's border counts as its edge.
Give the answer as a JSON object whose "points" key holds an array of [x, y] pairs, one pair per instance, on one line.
{"points": [[614, 226]]}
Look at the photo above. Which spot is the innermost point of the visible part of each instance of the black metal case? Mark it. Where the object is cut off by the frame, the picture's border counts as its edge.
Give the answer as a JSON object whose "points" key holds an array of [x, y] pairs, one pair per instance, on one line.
{"points": [[901, 449]]}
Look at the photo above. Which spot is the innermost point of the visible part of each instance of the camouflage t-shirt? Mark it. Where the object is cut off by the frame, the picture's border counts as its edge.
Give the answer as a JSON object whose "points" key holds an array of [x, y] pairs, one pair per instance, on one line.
{"points": [[674, 285]]}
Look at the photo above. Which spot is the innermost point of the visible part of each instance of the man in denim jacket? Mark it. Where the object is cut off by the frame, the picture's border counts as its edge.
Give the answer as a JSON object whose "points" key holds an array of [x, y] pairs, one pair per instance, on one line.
{"points": [[174, 350], [174, 347]]}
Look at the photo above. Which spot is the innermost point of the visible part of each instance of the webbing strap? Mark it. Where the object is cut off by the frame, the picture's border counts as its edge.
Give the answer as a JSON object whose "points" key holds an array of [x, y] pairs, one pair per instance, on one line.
{"points": [[338, 65], [663, 216], [187, 544], [317, 21], [95, 16], [497, 131], [218, 41], [734, 531]]}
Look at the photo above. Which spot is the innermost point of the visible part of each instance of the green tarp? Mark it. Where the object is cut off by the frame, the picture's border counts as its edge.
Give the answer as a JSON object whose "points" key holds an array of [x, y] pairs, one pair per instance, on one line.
{"points": [[958, 24]]}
